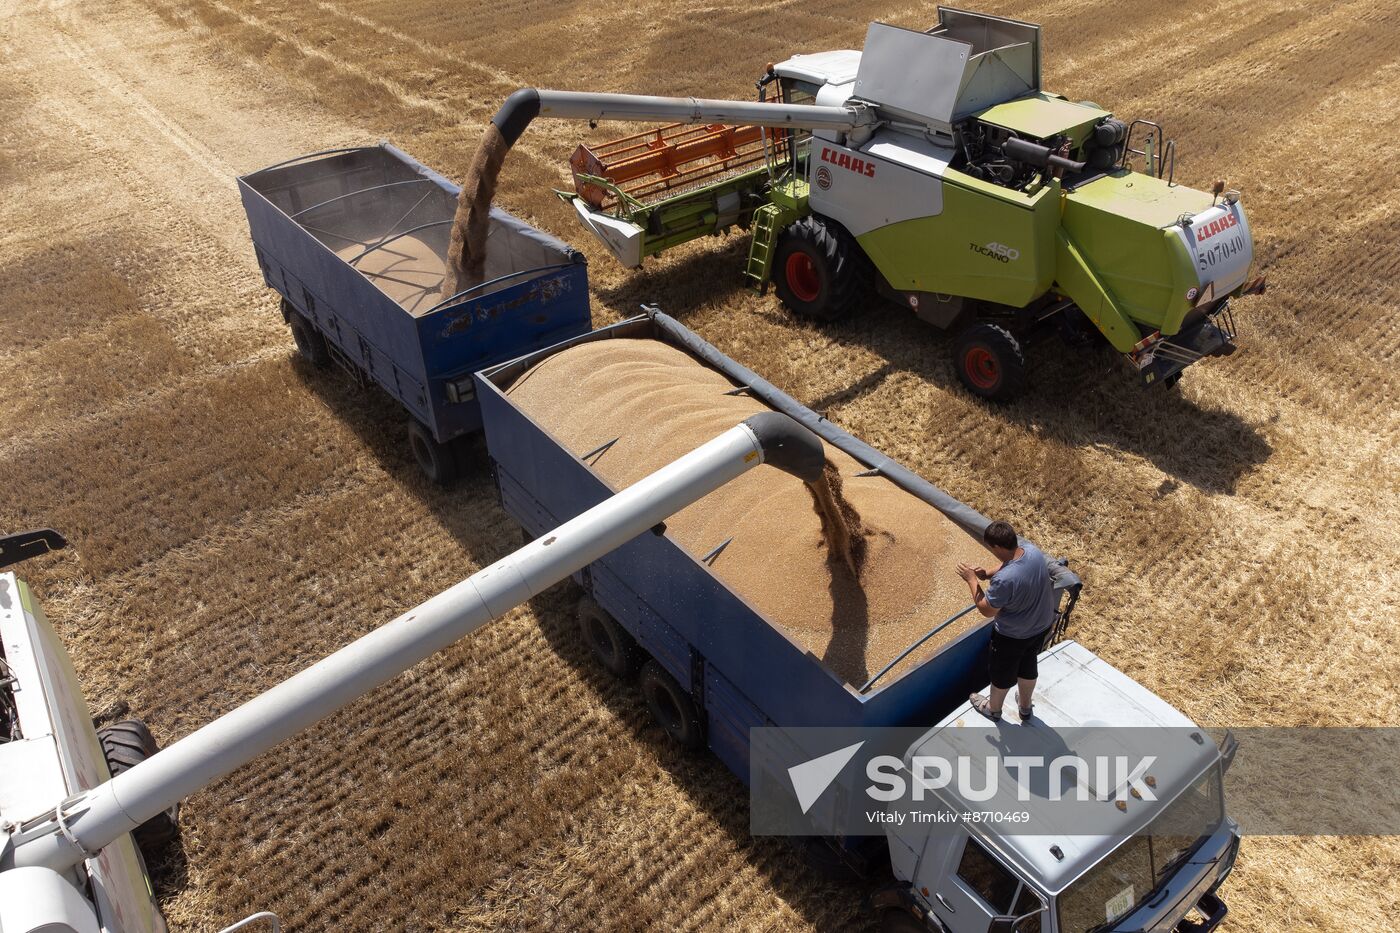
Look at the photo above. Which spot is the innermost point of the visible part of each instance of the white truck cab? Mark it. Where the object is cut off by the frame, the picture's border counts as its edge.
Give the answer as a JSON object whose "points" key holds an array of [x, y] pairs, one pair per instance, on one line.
{"points": [[984, 878]]}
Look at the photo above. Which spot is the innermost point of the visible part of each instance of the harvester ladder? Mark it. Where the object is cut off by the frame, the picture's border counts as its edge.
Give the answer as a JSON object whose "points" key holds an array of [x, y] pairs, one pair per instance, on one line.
{"points": [[765, 236]]}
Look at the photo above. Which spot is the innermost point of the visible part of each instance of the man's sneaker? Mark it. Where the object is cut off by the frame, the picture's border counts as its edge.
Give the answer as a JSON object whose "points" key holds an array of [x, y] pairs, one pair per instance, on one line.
{"points": [[1027, 712], [984, 706]]}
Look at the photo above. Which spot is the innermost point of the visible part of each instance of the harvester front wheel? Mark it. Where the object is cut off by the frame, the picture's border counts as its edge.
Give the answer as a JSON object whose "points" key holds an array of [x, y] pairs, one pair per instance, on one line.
{"points": [[819, 270], [610, 643], [989, 361], [310, 344], [125, 745], [438, 461], [671, 707]]}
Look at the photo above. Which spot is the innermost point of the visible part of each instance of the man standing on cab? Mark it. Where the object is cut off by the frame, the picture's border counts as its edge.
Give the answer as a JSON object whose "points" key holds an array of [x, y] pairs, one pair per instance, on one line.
{"points": [[1021, 600]]}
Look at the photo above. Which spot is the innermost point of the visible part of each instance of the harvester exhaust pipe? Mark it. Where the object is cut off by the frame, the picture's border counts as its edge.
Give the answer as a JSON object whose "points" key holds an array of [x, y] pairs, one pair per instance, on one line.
{"points": [[466, 251], [79, 827], [1040, 156]]}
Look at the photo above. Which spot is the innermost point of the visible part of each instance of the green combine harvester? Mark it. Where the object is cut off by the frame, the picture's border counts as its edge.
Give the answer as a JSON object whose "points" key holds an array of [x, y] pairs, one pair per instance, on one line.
{"points": [[933, 168]]}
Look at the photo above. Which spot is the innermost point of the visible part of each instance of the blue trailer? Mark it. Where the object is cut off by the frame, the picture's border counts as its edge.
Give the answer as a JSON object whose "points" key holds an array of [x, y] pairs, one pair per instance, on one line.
{"points": [[729, 668], [355, 241]]}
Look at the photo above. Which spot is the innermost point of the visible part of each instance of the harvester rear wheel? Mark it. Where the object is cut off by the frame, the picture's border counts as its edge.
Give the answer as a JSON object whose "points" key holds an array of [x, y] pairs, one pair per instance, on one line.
{"points": [[671, 707], [610, 643], [125, 745], [437, 461], [819, 270], [989, 361], [310, 344]]}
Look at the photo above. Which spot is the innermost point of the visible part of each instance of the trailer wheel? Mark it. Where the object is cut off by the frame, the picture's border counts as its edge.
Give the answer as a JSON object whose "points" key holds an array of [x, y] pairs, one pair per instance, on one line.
{"points": [[310, 344], [610, 643], [819, 270], [125, 745], [671, 707], [437, 461], [989, 361]]}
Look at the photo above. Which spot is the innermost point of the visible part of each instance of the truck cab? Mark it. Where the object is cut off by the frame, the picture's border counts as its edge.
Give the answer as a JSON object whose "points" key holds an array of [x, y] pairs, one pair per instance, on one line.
{"points": [[1066, 876]]}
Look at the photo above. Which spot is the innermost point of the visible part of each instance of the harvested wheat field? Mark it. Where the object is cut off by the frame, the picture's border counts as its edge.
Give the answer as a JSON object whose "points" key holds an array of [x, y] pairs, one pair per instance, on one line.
{"points": [[235, 516]]}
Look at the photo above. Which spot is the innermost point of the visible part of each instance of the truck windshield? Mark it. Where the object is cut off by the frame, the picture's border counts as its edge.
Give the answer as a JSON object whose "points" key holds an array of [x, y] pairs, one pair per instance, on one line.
{"points": [[1133, 871]]}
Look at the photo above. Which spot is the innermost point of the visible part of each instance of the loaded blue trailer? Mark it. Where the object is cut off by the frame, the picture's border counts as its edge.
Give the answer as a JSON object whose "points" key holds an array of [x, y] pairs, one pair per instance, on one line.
{"points": [[734, 669], [355, 241]]}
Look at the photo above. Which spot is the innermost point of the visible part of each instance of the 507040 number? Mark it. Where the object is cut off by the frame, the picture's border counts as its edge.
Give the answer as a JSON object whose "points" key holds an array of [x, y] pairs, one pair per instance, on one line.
{"points": [[1219, 252]]}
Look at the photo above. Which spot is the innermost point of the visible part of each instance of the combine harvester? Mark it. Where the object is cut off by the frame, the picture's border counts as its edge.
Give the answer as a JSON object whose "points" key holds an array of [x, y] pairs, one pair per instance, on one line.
{"points": [[712, 669], [933, 166]]}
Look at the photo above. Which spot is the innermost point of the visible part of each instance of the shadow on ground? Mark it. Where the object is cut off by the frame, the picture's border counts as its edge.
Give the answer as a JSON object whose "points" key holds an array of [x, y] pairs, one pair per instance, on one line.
{"points": [[1079, 397]]}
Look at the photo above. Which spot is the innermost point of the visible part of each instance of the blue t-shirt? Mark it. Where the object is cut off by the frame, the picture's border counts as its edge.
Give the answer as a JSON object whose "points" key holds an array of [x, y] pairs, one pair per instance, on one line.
{"points": [[1022, 591]]}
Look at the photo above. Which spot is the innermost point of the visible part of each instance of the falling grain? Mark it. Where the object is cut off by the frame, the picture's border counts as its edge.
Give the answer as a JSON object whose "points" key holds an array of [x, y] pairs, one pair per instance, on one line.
{"points": [[466, 250], [841, 526]]}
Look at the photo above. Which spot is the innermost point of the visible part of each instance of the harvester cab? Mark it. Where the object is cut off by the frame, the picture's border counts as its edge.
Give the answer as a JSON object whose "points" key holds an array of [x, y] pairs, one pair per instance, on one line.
{"points": [[957, 187]]}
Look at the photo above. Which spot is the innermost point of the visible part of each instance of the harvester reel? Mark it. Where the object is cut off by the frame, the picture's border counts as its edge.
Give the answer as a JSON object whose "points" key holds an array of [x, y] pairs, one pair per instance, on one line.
{"points": [[819, 270]]}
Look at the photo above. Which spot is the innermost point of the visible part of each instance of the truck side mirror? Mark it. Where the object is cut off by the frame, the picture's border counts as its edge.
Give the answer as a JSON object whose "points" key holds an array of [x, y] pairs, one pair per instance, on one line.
{"points": [[1229, 745], [23, 545]]}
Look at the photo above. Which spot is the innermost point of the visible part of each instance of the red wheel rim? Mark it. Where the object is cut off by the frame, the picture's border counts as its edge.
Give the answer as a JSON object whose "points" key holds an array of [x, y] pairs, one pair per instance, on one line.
{"points": [[981, 367], [802, 277]]}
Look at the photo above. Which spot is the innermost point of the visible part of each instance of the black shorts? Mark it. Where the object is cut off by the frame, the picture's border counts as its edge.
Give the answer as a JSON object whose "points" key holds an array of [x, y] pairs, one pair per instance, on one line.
{"points": [[1014, 657]]}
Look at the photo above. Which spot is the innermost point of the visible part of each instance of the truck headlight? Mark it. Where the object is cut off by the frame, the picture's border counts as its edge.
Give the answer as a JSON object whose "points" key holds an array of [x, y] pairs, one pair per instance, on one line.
{"points": [[1227, 864]]}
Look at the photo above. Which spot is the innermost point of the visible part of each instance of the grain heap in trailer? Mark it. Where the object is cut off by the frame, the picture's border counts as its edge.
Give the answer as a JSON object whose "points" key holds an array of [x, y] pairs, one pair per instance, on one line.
{"points": [[933, 167]]}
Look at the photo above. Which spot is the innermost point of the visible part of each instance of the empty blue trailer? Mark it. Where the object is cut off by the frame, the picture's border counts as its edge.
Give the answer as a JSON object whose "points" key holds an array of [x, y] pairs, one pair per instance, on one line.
{"points": [[355, 241], [734, 669]]}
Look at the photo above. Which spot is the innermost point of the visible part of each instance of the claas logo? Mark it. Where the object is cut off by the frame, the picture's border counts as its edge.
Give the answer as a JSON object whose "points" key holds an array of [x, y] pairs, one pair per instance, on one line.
{"points": [[844, 160], [1215, 226]]}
